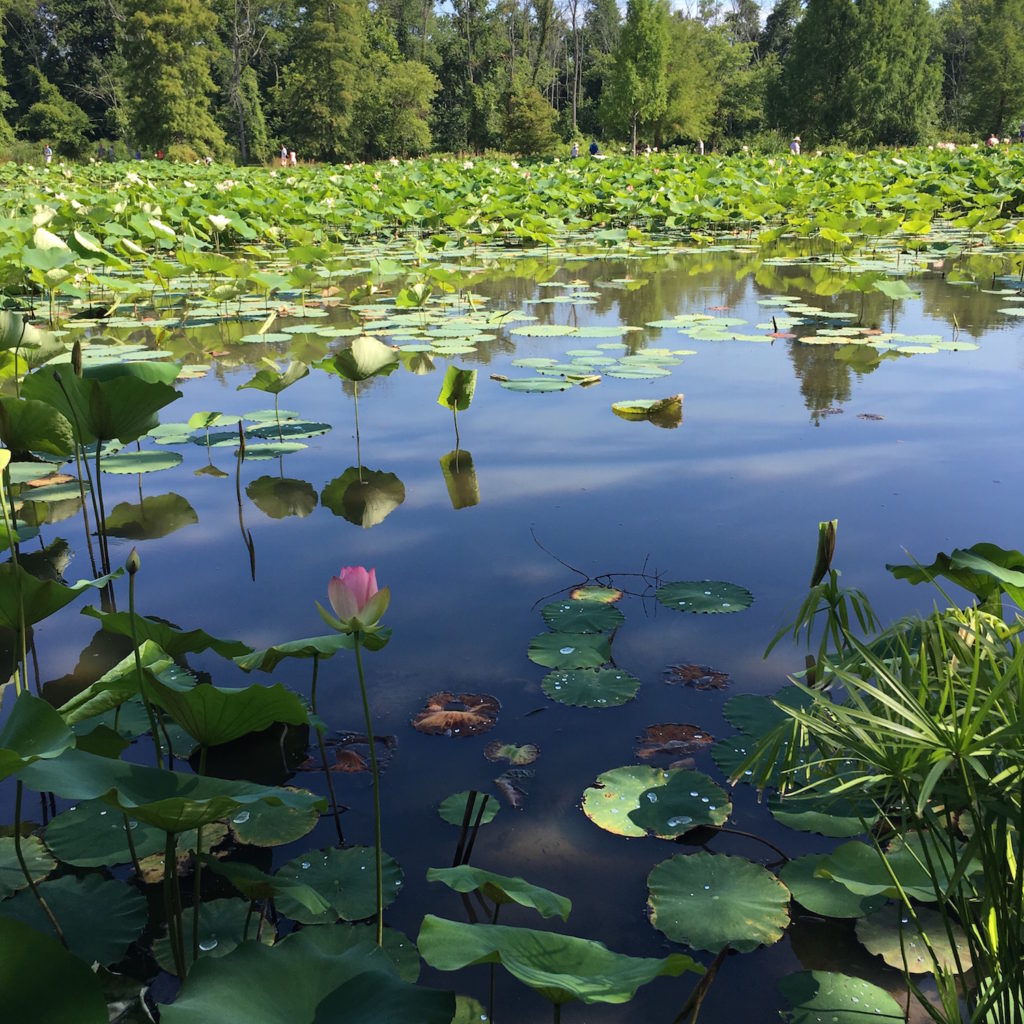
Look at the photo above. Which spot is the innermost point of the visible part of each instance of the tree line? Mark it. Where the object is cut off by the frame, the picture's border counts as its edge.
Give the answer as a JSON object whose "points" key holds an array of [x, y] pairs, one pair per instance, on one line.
{"points": [[341, 80]]}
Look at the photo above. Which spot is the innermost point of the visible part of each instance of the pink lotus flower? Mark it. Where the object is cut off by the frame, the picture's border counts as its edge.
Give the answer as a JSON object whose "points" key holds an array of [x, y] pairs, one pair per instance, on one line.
{"points": [[356, 600]]}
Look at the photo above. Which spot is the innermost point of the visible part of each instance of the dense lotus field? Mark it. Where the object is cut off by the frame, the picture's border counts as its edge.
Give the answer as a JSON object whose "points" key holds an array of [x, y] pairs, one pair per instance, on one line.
{"points": [[146, 867]]}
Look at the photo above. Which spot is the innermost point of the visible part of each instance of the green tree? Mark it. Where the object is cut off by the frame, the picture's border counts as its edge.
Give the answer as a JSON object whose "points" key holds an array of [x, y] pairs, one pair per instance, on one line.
{"points": [[320, 86], [170, 47], [955, 47], [637, 90], [599, 38], [994, 72], [894, 84], [55, 119], [409, 90], [530, 124]]}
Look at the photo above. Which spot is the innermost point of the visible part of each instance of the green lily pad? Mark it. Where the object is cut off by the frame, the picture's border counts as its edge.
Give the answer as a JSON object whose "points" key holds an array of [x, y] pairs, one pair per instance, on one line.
{"points": [[536, 384], [296, 430], [859, 867], [705, 596], [313, 976], [570, 616], [827, 815], [820, 995], [39, 861], [822, 895], [502, 889], [100, 917], [559, 967], [126, 462], [891, 934], [268, 825], [221, 925], [453, 808], [616, 794], [543, 331], [281, 497], [569, 650], [347, 879], [154, 517], [709, 901], [272, 449], [42, 981], [365, 497], [755, 714], [590, 688], [517, 755], [92, 834], [686, 801]]}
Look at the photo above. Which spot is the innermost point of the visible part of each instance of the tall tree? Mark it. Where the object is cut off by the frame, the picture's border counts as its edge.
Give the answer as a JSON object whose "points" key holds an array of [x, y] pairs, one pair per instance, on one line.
{"points": [[955, 47], [170, 47], [637, 90], [320, 85], [995, 66]]}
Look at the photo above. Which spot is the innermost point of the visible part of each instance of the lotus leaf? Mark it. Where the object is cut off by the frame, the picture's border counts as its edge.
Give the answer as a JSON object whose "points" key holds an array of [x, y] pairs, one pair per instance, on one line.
{"points": [[571, 616], [267, 825], [822, 813], [365, 358], [92, 835], [591, 688], [457, 389], [37, 971], [38, 860], [535, 384], [30, 425], [518, 755], [502, 889], [460, 479], [859, 868], [221, 926], [274, 381], [453, 808], [686, 801], [281, 497], [891, 934], [569, 650], [33, 730], [365, 497], [346, 879], [128, 462], [705, 596], [560, 967], [709, 901], [616, 794], [820, 995], [100, 917], [311, 977], [822, 895], [754, 714], [171, 640]]}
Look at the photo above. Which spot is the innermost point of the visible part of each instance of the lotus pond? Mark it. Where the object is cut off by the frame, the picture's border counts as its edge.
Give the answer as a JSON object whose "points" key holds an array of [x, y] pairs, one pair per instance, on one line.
{"points": [[586, 443]]}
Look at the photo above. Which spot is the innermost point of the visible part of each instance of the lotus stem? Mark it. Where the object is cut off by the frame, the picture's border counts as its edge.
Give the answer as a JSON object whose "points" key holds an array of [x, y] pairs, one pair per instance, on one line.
{"points": [[138, 661], [455, 418], [131, 847], [359, 456], [172, 905], [19, 790], [197, 878], [20, 674], [323, 754], [104, 547], [376, 794]]}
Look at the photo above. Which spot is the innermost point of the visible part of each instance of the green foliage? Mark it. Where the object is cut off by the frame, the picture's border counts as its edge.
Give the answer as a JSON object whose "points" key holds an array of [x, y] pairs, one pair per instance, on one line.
{"points": [[530, 124], [57, 120]]}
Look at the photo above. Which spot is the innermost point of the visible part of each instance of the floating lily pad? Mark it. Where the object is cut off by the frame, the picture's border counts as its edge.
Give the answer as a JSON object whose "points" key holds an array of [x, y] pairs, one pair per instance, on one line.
{"points": [[822, 895], [100, 917], [891, 934], [457, 714], [542, 331], [347, 879], [125, 461], [686, 801], [822, 813], [272, 450], [536, 384], [662, 412], [92, 834], [569, 650], [268, 825], [591, 688], [498, 751], [700, 677], [705, 596], [616, 793], [281, 497], [755, 714], [294, 430], [453, 808], [601, 595], [581, 616], [221, 926], [38, 860], [817, 996], [709, 901]]}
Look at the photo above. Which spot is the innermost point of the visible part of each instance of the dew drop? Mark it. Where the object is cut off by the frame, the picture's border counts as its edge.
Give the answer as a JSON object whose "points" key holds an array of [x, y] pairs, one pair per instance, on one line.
{"points": [[704, 800], [207, 944], [707, 593], [693, 792], [133, 824], [102, 813], [241, 818], [566, 650], [682, 819], [305, 865], [653, 797], [707, 887], [725, 604]]}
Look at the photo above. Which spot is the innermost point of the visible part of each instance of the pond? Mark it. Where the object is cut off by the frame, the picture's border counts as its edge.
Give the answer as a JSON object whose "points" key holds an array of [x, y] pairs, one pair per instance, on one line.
{"points": [[909, 441]]}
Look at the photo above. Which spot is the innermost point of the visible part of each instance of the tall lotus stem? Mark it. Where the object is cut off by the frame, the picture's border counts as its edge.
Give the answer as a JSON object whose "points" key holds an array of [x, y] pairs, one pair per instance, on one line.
{"points": [[376, 794], [359, 457], [20, 674], [132, 565], [24, 867], [323, 754]]}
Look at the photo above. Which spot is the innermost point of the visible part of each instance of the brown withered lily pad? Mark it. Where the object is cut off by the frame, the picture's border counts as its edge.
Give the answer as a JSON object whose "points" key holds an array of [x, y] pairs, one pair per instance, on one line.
{"points": [[498, 751], [351, 753], [599, 595], [869, 416], [672, 741], [701, 677], [457, 714]]}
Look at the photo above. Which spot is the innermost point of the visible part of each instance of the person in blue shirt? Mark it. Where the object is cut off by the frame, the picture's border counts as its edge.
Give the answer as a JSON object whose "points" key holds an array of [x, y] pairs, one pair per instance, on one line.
{"points": [[594, 148]]}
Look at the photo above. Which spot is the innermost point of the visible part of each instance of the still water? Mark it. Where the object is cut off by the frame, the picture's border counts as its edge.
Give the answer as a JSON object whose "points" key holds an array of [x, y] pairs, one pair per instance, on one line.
{"points": [[916, 455]]}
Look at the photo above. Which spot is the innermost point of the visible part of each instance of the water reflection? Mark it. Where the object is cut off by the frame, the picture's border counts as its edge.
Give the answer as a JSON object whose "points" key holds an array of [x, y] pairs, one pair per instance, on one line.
{"points": [[365, 497], [460, 479]]}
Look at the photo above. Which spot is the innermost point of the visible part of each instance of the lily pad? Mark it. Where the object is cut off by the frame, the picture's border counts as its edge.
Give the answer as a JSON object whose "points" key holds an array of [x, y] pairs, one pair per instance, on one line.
{"points": [[822, 895], [453, 808], [281, 497], [891, 934], [827, 815], [345, 878], [498, 751], [92, 834], [501, 889], [705, 596], [127, 462], [581, 616], [221, 926], [600, 595], [686, 801], [39, 861], [820, 995], [674, 741], [535, 384], [267, 825], [364, 497], [570, 650], [700, 677], [616, 793], [709, 901], [100, 917], [590, 688]]}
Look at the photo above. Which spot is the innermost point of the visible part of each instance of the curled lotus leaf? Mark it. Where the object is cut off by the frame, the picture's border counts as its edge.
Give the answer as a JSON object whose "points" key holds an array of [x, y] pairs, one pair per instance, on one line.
{"points": [[457, 714], [453, 808], [498, 751], [672, 740]]}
